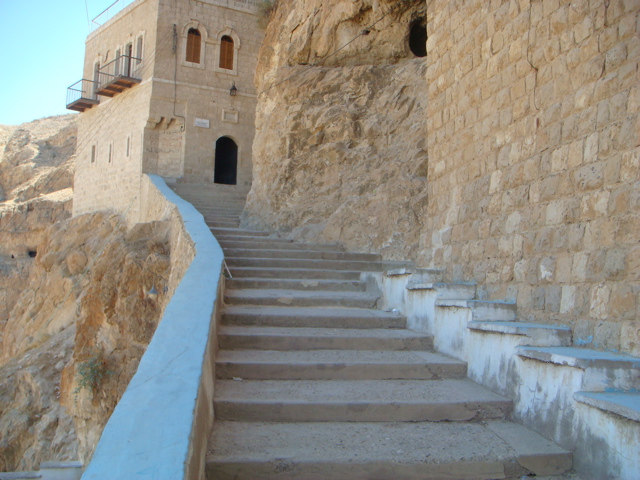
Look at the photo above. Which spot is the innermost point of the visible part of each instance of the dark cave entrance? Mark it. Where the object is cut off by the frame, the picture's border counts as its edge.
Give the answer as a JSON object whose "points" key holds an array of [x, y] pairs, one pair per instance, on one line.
{"points": [[418, 38], [226, 161]]}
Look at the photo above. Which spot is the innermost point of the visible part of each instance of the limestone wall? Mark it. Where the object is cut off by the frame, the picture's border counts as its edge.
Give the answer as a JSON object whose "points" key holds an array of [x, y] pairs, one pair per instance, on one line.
{"points": [[188, 92], [532, 128], [110, 135], [169, 123], [528, 122]]}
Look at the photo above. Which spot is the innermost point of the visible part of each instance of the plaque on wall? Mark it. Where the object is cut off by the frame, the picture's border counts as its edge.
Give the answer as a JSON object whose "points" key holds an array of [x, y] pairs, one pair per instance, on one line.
{"points": [[202, 122], [230, 116]]}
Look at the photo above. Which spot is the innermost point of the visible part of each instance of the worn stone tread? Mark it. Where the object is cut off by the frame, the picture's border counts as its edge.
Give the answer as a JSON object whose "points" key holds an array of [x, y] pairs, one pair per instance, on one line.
{"points": [[410, 450], [324, 317], [300, 298], [300, 338], [365, 400], [296, 284], [336, 365]]}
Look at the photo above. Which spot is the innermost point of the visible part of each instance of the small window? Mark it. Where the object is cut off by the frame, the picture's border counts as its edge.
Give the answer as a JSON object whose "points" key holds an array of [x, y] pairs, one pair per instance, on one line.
{"points": [[96, 80], [93, 154], [194, 40], [226, 52], [139, 50], [110, 152], [118, 60], [126, 67], [128, 149]]}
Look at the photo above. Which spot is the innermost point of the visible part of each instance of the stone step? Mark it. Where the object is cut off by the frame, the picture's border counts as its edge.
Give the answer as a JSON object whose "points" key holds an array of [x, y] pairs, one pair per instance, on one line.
{"points": [[452, 291], [482, 309], [271, 243], [336, 365], [307, 264], [538, 334], [293, 273], [237, 232], [299, 338], [380, 451], [223, 224], [604, 371], [297, 284], [310, 317], [621, 404], [301, 254], [357, 401], [300, 298]]}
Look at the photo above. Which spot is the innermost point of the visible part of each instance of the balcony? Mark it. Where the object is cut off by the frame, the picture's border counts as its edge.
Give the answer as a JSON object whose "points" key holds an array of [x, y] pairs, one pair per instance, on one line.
{"points": [[118, 75], [81, 96]]}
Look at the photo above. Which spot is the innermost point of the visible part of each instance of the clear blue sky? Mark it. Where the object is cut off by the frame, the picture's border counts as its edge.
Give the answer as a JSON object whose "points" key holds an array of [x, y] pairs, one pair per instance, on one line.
{"points": [[42, 54]]}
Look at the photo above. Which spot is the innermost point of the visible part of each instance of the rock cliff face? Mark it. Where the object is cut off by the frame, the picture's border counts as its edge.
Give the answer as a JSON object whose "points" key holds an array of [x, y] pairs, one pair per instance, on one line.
{"points": [[508, 156], [339, 154], [76, 315]]}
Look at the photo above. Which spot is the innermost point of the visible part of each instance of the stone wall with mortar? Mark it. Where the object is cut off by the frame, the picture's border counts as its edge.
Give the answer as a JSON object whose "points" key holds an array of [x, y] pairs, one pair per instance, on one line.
{"points": [[533, 140], [521, 175]]}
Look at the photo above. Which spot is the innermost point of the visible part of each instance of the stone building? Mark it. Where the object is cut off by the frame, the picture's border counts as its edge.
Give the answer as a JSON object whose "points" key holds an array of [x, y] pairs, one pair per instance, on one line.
{"points": [[167, 89]]}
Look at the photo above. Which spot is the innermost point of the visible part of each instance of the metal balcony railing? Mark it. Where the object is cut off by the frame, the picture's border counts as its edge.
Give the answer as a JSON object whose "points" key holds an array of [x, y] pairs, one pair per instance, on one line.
{"points": [[81, 95], [109, 12], [118, 75]]}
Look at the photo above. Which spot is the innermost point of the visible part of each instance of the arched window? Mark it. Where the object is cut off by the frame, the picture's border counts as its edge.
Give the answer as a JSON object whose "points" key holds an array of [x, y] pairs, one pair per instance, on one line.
{"points": [[226, 52], [194, 41]]}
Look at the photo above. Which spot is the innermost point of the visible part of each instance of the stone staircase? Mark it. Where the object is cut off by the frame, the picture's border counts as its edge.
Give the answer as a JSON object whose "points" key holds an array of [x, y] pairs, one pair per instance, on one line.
{"points": [[313, 382]]}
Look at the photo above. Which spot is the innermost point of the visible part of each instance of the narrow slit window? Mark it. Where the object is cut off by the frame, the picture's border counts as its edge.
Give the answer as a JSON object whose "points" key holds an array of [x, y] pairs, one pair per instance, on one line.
{"points": [[226, 52], [128, 149], [194, 41], [110, 152], [93, 154], [139, 50]]}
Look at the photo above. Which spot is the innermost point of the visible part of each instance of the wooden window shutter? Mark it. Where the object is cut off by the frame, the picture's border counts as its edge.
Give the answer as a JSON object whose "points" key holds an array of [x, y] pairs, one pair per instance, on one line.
{"points": [[226, 52], [193, 45]]}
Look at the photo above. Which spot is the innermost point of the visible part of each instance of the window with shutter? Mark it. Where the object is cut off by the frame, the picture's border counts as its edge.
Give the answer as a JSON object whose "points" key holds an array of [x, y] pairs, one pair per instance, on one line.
{"points": [[226, 52], [193, 45]]}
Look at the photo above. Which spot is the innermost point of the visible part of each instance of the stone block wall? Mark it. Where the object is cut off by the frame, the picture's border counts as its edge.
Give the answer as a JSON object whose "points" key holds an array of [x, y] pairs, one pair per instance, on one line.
{"points": [[186, 92], [110, 142], [533, 141], [169, 123]]}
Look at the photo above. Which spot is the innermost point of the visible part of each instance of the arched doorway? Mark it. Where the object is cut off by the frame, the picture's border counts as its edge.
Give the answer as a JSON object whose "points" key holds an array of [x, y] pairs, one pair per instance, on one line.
{"points": [[226, 161]]}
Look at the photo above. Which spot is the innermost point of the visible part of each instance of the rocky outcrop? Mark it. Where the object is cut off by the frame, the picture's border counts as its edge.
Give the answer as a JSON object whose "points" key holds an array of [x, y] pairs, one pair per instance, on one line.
{"points": [[76, 334], [340, 153], [75, 311]]}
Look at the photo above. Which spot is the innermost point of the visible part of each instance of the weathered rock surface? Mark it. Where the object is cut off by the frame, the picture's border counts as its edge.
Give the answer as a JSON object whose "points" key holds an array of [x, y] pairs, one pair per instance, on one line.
{"points": [[508, 156], [339, 154], [75, 317], [96, 313]]}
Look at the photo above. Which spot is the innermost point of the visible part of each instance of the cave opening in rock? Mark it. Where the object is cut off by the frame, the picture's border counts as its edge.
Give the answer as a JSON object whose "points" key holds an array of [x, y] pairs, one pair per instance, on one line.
{"points": [[418, 38], [33, 253], [226, 161]]}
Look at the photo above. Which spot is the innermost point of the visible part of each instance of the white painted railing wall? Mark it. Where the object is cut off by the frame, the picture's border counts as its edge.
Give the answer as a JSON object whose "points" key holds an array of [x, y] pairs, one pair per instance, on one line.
{"points": [[159, 429]]}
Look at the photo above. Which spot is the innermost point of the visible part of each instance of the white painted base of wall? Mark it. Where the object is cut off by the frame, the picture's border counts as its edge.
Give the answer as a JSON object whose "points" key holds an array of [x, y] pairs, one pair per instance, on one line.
{"points": [[534, 365]]}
